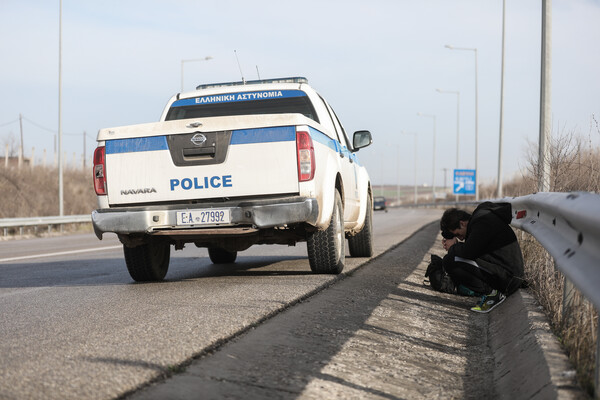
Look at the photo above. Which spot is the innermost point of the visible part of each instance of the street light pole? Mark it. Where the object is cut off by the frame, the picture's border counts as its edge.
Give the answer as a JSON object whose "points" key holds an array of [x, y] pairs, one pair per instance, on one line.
{"points": [[416, 157], [61, 210], [457, 93], [433, 174], [476, 119], [545, 99], [192, 60], [499, 188], [398, 202]]}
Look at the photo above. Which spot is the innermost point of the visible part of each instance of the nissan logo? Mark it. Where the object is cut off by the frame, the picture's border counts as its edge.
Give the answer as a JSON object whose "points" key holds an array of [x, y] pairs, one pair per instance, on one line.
{"points": [[198, 139]]}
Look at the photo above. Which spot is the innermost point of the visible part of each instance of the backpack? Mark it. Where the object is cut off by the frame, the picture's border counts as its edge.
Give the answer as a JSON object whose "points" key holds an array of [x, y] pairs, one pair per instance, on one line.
{"points": [[438, 277]]}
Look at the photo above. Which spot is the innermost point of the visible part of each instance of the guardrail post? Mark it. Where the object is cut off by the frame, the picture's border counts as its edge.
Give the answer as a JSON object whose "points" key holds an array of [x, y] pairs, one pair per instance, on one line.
{"points": [[569, 300]]}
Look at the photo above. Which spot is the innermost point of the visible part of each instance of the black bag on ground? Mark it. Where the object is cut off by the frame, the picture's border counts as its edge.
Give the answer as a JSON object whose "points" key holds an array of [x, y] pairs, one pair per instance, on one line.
{"points": [[438, 278]]}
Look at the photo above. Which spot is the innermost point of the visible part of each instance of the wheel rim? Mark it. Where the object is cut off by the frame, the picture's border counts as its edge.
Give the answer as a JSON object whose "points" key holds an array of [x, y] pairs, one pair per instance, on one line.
{"points": [[338, 234]]}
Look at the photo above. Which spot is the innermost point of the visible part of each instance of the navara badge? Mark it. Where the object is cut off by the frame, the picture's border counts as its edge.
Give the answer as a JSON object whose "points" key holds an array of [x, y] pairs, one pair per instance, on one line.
{"points": [[198, 139]]}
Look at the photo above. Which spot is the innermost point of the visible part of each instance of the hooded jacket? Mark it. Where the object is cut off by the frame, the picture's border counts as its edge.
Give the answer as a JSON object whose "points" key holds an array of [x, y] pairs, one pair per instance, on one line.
{"points": [[491, 242]]}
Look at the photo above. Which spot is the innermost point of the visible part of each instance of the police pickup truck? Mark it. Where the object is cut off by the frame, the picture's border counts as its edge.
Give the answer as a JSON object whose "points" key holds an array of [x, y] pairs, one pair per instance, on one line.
{"points": [[232, 165]]}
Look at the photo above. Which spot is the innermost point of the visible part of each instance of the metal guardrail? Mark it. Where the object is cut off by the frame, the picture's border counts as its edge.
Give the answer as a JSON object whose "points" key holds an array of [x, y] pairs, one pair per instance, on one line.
{"points": [[20, 223], [568, 226]]}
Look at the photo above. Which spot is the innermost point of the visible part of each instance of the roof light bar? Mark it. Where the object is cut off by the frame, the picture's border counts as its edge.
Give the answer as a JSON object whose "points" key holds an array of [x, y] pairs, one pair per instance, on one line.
{"points": [[295, 79]]}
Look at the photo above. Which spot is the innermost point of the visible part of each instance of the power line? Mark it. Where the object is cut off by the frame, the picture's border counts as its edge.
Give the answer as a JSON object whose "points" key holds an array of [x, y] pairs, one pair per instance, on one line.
{"points": [[43, 127], [38, 125], [8, 123], [48, 129]]}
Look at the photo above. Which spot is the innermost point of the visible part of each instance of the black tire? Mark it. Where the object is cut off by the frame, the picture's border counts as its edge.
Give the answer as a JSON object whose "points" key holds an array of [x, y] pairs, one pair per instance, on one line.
{"points": [[148, 262], [220, 256], [361, 244], [326, 249]]}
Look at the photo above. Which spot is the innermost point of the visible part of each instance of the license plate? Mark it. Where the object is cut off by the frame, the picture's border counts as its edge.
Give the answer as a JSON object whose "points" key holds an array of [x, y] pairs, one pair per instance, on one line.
{"points": [[204, 217]]}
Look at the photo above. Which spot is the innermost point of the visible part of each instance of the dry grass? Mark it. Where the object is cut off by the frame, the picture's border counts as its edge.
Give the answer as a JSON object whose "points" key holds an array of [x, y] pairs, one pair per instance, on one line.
{"points": [[33, 192], [575, 166]]}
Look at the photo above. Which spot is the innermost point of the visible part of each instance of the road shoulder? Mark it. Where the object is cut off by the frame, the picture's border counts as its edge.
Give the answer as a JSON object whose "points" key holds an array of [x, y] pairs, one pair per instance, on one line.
{"points": [[380, 333]]}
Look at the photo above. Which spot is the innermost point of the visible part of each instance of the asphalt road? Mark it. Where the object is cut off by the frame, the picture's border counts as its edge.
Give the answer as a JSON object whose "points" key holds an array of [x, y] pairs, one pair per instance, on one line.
{"points": [[74, 325]]}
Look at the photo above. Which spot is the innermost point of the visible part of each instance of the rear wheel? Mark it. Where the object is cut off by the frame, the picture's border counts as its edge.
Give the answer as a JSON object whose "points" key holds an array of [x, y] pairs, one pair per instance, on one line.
{"points": [[326, 249], [361, 244], [220, 256], [148, 262]]}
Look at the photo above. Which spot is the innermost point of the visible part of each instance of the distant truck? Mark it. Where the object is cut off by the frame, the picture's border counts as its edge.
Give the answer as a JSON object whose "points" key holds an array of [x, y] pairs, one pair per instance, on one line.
{"points": [[232, 165]]}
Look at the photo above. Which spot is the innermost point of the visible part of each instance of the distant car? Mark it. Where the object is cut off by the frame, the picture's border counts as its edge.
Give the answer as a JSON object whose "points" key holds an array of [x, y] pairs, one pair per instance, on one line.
{"points": [[379, 203]]}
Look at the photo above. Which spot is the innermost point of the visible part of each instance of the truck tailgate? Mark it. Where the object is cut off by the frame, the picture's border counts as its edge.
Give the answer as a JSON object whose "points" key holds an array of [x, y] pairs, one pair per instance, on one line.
{"points": [[202, 165]]}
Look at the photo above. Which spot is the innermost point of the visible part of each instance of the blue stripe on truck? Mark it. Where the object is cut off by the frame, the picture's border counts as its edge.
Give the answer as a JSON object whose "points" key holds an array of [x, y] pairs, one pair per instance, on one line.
{"points": [[264, 135], [242, 136], [334, 145], [322, 138], [133, 145]]}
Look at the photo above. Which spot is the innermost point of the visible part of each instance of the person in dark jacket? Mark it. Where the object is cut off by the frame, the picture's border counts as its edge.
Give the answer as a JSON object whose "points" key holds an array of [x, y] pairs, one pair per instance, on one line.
{"points": [[483, 252]]}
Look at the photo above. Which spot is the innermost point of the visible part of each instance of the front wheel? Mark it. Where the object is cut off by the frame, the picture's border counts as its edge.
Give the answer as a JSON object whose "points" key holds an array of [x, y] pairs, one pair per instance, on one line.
{"points": [[361, 244], [326, 249], [148, 262]]}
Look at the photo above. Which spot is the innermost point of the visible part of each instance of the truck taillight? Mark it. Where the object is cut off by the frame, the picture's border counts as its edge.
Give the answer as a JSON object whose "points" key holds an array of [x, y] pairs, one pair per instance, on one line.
{"points": [[306, 156], [100, 170]]}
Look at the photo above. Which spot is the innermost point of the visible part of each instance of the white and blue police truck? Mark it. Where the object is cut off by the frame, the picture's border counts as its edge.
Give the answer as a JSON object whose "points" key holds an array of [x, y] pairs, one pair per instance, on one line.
{"points": [[231, 165]]}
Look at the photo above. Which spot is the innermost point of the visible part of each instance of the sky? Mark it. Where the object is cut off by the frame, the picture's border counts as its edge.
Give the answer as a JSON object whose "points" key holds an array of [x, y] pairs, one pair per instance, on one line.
{"points": [[378, 63]]}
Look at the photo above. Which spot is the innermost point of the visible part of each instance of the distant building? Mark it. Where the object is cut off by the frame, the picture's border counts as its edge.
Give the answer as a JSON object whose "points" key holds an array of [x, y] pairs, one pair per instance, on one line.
{"points": [[13, 162]]}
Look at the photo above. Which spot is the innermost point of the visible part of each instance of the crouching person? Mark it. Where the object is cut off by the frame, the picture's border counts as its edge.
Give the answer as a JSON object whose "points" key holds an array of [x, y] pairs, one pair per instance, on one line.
{"points": [[483, 252]]}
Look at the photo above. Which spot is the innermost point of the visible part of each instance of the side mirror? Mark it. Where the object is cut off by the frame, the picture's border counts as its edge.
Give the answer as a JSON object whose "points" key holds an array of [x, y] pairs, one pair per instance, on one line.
{"points": [[361, 139]]}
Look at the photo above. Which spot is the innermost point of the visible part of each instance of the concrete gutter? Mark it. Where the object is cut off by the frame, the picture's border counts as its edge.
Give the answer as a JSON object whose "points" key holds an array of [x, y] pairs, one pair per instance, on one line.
{"points": [[529, 362]]}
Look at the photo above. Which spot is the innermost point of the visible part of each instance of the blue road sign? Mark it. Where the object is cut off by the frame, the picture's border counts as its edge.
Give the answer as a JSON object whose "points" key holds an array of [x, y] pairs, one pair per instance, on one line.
{"points": [[464, 181]]}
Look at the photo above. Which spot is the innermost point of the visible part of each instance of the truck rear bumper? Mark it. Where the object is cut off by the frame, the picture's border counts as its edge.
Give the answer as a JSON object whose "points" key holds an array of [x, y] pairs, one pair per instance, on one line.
{"points": [[259, 214]]}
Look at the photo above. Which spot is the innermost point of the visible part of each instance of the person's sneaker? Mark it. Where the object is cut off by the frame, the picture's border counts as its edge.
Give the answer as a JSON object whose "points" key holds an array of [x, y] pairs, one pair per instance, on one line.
{"points": [[489, 302]]}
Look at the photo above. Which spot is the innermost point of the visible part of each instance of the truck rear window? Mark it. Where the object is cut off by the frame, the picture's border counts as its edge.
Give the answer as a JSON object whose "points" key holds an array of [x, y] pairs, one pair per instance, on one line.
{"points": [[247, 103]]}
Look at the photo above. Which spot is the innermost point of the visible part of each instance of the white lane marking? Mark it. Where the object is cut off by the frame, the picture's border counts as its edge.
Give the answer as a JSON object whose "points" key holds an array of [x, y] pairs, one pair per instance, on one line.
{"points": [[60, 253]]}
